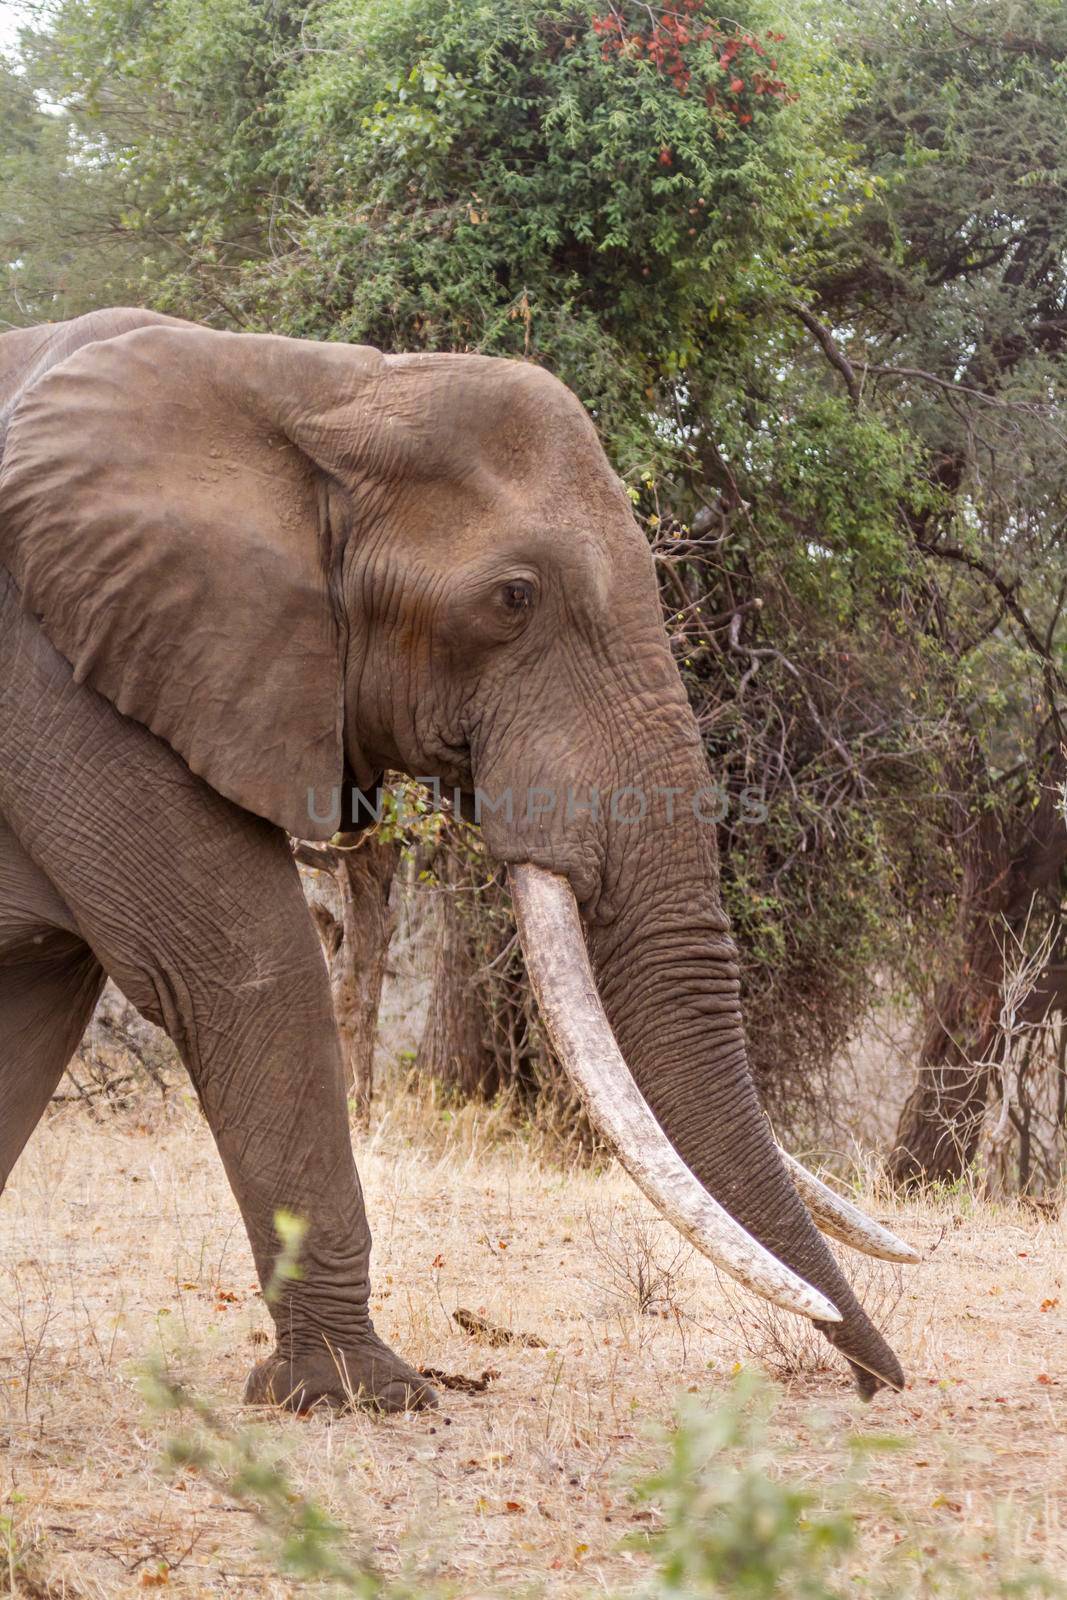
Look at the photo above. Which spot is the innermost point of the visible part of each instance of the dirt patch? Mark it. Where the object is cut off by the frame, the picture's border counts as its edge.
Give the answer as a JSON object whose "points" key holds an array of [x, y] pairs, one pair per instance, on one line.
{"points": [[119, 1238]]}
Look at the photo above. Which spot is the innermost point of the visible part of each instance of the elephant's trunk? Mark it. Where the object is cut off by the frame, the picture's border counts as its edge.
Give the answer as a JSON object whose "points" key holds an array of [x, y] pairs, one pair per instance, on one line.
{"points": [[668, 987]]}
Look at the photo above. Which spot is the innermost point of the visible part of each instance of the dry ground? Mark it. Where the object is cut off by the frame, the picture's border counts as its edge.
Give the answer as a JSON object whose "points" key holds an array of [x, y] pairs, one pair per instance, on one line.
{"points": [[120, 1236]]}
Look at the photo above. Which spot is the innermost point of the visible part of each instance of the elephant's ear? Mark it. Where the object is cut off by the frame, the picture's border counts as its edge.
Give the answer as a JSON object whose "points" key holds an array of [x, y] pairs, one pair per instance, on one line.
{"points": [[165, 510]]}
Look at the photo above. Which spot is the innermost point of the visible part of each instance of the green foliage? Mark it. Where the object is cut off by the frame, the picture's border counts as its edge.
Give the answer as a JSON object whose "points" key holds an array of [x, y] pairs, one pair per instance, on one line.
{"points": [[444, 174], [736, 1525], [738, 1529], [291, 1232]]}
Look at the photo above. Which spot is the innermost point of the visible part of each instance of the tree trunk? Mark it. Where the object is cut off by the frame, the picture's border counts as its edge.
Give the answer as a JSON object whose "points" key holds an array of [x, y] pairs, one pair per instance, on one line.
{"points": [[939, 1126], [454, 1048], [937, 1133], [356, 946]]}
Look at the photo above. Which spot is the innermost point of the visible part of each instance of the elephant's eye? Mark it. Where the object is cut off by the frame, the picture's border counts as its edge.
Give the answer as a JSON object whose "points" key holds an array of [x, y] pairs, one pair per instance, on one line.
{"points": [[517, 594]]}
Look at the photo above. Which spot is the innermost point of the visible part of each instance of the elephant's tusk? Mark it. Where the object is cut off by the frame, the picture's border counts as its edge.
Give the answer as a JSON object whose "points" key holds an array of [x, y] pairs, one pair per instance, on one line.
{"points": [[562, 979], [843, 1221]]}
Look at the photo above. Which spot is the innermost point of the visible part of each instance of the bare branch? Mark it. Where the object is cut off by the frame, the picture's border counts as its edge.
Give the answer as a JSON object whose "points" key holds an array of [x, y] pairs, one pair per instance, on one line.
{"points": [[833, 352]]}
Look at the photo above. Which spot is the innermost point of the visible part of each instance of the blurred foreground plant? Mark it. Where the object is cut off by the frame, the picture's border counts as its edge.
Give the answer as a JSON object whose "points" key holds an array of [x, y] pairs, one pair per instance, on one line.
{"points": [[732, 1524], [301, 1539], [735, 1526]]}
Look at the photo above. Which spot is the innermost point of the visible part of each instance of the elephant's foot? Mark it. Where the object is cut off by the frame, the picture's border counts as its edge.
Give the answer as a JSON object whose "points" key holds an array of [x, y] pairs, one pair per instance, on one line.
{"points": [[363, 1374]]}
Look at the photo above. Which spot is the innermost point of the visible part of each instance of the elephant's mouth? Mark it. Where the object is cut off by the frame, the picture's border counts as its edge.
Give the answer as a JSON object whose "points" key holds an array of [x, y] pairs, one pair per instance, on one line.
{"points": [[550, 930], [576, 862]]}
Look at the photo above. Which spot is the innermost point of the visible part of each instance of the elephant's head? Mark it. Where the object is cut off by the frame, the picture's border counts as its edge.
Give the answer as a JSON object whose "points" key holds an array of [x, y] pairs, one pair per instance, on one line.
{"points": [[298, 562]]}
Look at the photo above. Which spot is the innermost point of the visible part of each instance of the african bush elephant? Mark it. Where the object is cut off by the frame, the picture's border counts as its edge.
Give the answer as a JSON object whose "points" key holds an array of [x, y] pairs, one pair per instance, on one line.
{"points": [[239, 573]]}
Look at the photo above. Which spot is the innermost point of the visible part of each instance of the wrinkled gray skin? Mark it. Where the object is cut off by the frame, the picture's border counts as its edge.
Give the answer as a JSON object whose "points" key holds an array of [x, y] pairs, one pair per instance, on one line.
{"points": [[235, 567]]}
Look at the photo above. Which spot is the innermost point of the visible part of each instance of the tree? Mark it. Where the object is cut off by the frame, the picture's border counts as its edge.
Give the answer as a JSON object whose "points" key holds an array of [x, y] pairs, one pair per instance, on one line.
{"points": [[455, 1049], [949, 297], [355, 930]]}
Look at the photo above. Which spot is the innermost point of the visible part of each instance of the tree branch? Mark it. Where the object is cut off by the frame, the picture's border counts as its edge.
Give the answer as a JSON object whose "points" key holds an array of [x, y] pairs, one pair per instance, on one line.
{"points": [[832, 351], [1009, 594]]}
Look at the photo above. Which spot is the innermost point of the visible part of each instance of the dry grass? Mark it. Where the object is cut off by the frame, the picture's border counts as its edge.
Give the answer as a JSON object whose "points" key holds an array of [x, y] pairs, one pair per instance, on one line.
{"points": [[119, 1236]]}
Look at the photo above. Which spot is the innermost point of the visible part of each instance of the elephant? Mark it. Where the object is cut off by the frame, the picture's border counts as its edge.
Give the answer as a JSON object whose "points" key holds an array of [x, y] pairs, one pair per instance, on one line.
{"points": [[242, 576]]}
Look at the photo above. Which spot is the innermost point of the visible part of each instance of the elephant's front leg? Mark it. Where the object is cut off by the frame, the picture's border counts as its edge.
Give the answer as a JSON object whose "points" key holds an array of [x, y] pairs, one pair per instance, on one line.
{"points": [[262, 1047], [195, 908], [252, 1016], [267, 1065]]}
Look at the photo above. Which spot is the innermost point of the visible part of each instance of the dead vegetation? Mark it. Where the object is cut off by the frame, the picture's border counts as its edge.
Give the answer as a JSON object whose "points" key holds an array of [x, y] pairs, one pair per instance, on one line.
{"points": [[120, 1241]]}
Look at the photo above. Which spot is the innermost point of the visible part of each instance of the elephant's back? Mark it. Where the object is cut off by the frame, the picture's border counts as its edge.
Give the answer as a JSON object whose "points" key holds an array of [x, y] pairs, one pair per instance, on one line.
{"points": [[26, 354], [20, 353]]}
